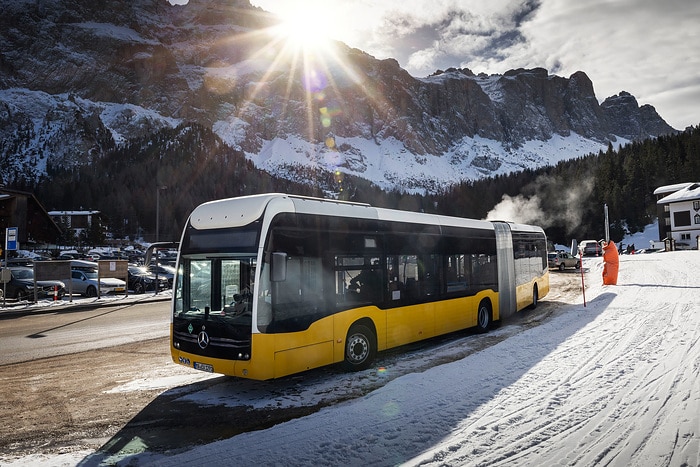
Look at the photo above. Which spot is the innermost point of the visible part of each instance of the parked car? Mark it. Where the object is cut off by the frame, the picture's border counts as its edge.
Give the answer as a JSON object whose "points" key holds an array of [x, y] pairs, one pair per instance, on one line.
{"points": [[26, 262], [84, 282], [21, 285], [142, 280], [562, 260], [163, 270], [69, 255], [590, 248]]}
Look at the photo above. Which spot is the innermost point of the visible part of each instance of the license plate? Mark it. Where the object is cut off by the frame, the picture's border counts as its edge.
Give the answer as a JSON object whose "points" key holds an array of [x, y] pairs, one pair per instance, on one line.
{"points": [[203, 367], [119, 289]]}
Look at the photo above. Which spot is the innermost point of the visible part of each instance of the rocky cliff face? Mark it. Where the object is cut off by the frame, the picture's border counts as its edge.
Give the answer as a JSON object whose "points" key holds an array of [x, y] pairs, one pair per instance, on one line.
{"points": [[77, 77]]}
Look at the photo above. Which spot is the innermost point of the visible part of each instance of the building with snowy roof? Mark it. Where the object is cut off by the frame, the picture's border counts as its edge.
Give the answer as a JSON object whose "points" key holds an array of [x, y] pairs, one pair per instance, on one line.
{"points": [[679, 214]]}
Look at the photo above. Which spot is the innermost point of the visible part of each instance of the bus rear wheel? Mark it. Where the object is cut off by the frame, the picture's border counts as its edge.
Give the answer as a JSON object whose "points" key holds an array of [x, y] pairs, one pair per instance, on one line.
{"points": [[535, 297], [360, 348], [483, 316]]}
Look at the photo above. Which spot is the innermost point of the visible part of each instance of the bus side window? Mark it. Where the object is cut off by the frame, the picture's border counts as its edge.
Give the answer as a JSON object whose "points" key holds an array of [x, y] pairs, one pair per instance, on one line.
{"points": [[430, 283], [395, 286], [456, 273], [358, 279], [408, 274]]}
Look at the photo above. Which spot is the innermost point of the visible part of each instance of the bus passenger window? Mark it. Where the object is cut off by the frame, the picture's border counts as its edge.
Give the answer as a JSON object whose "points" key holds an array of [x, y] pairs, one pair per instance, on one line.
{"points": [[456, 273], [430, 284], [358, 279], [367, 284], [395, 286], [408, 275]]}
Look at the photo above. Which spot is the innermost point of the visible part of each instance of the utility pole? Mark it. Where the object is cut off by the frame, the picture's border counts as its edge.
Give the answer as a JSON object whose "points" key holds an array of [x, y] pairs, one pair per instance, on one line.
{"points": [[607, 224], [158, 190]]}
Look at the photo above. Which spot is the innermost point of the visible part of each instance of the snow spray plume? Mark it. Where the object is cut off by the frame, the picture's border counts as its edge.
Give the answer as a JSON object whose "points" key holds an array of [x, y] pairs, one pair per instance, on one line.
{"points": [[518, 209], [563, 204]]}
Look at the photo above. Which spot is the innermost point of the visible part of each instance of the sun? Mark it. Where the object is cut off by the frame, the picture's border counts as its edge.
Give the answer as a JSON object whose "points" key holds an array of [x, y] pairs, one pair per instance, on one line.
{"points": [[309, 28]]}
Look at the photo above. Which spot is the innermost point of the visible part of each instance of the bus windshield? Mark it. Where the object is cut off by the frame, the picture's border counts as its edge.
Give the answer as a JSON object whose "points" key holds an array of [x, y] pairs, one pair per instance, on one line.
{"points": [[213, 306], [222, 286]]}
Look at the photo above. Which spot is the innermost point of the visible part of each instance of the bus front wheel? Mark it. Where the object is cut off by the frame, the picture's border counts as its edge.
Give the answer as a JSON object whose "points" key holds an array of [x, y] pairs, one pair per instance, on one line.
{"points": [[483, 317], [360, 348]]}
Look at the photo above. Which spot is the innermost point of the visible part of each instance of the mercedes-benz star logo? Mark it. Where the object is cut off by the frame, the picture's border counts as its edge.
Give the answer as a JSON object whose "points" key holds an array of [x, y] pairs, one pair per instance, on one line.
{"points": [[203, 340]]}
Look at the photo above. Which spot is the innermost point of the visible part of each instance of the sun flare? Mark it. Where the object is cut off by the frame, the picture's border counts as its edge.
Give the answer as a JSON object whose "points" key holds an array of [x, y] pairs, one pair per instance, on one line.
{"points": [[308, 29], [306, 45]]}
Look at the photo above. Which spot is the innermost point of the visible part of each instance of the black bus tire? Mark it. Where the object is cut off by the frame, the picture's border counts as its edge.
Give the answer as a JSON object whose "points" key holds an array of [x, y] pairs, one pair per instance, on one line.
{"points": [[483, 316], [535, 297], [360, 348]]}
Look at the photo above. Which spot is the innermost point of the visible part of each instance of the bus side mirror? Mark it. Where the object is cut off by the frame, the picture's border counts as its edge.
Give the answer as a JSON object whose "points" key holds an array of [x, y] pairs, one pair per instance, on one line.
{"points": [[278, 267]]}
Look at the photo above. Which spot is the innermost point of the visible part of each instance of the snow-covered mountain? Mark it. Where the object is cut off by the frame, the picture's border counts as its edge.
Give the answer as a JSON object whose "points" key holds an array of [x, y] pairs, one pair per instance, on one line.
{"points": [[79, 77]]}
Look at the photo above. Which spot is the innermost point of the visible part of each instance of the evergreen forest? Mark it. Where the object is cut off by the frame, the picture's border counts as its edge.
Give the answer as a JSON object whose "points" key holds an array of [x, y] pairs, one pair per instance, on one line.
{"points": [[174, 170]]}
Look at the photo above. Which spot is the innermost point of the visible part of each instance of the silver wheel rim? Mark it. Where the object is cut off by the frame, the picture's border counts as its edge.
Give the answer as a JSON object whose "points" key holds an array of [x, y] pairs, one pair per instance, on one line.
{"points": [[483, 317], [357, 348]]}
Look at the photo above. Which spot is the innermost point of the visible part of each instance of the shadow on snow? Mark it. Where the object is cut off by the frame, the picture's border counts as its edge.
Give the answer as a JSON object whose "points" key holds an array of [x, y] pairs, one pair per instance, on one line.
{"points": [[222, 407]]}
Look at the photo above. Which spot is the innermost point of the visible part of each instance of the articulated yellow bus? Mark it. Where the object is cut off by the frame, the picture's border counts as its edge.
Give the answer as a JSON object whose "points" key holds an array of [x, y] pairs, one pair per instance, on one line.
{"points": [[275, 284]]}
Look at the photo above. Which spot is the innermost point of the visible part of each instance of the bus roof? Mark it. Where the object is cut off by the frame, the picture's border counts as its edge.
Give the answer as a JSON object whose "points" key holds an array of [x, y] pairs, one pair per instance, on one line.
{"points": [[233, 212]]}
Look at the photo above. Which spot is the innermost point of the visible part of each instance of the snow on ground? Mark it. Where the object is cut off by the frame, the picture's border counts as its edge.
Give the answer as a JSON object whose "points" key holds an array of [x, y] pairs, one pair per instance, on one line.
{"points": [[614, 383]]}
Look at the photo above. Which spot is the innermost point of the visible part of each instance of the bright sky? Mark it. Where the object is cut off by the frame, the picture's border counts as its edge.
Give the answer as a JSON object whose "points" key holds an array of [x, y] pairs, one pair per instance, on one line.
{"points": [[645, 47]]}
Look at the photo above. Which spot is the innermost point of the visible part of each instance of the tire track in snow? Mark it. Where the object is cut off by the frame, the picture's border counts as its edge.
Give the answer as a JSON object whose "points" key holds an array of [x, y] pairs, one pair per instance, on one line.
{"points": [[618, 404]]}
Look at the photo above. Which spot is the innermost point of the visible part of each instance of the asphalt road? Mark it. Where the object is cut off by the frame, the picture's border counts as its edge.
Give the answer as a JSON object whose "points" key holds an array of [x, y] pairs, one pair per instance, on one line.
{"points": [[40, 333]]}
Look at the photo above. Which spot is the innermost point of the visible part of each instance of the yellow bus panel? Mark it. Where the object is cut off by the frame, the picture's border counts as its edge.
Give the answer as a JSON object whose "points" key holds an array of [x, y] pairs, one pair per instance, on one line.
{"points": [[300, 359], [523, 293], [410, 324]]}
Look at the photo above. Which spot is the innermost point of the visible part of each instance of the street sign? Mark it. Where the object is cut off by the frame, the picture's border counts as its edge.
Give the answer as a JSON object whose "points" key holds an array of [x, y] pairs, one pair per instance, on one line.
{"points": [[11, 243]]}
